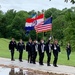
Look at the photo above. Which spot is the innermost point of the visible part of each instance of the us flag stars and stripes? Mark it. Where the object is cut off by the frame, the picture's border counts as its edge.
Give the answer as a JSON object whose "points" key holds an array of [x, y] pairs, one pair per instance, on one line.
{"points": [[44, 26]]}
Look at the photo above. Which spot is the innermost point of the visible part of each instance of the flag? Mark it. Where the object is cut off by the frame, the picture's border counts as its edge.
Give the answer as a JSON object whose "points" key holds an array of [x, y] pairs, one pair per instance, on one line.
{"points": [[33, 16], [31, 22], [44, 26], [40, 18]]}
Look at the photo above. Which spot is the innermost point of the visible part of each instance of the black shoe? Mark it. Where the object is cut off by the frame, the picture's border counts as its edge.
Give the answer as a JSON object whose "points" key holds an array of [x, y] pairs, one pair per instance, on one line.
{"points": [[20, 60], [48, 65], [55, 65], [34, 63], [12, 60], [41, 63], [31, 62]]}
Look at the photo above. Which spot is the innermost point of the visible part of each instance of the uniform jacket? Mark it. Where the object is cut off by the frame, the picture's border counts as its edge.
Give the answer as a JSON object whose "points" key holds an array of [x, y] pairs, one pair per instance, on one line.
{"points": [[12, 45], [35, 47], [48, 46], [68, 48], [29, 47], [41, 48], [21, 46], [56, 48]]}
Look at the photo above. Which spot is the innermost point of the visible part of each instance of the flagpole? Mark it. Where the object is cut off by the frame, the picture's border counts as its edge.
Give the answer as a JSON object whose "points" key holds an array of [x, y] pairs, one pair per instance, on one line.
{"points": [[37, 36], [52, 32], [36, 32], [44, 19], [41, 16], [43, 35]]}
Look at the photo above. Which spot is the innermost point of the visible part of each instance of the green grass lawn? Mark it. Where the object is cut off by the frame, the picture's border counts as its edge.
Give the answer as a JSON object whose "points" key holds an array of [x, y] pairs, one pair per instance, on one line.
{"points": [[5, 53]]}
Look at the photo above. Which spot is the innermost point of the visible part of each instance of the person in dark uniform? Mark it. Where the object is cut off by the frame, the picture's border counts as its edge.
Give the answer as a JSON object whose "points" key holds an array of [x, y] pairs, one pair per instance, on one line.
{"points": [[21, 47], [35, 50], [68, 50], [41, 50], [29, 49], [56, 50], [12, 46], [48, 47]]}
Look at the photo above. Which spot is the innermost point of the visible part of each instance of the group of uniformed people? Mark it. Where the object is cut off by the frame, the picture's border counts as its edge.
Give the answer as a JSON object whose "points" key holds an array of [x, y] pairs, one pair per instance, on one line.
{"points": [[33, 47], [20, 47]]}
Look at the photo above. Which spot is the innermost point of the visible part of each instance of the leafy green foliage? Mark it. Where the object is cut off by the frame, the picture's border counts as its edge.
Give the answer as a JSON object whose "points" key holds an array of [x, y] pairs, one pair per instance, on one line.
{"points": [[52, 12], [12, 24]]}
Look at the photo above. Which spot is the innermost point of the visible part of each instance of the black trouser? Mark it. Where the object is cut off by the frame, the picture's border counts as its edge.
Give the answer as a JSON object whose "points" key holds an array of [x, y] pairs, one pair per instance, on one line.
{"points": [[48, 58], [20, 55], [30, 57], [55, 53], [12, 54], [41, 57], [34, 57], [68, 54]]}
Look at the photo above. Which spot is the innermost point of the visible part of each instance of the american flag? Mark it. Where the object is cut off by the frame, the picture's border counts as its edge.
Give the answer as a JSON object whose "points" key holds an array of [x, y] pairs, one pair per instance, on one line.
{"points": [[44, 26]]}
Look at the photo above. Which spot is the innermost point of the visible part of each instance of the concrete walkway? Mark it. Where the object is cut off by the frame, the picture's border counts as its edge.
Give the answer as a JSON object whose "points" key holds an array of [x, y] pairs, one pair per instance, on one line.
{"points": [[61, 69]]}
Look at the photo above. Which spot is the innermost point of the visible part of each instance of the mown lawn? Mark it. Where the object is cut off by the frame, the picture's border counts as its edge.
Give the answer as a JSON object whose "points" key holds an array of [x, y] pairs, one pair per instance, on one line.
{"points": [[5, 53]]}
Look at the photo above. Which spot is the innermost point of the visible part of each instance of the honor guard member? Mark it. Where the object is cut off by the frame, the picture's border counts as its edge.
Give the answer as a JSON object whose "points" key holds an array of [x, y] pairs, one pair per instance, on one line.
{"points": [[12, 46], [56, 50], [35, 50], [68, 50], [21, 47], [29, 49], [48, 47], [41, 49]]}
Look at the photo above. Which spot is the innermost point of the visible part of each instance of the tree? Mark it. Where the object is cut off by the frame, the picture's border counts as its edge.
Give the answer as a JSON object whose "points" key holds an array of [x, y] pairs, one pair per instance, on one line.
{"points": [[52, 12], [12, 24], [69, 31], [1, 24], [18, 24], [9, 16], [58, 26]]}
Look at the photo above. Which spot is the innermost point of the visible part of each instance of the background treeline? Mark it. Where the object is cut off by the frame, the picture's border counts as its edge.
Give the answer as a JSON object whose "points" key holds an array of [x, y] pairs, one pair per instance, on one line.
{"points": [[12, 24]]}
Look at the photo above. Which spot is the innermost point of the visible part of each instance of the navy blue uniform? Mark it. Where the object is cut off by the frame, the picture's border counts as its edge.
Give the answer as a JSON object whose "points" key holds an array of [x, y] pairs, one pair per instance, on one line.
{"points": [[29, 49], [21, 47], [41, 49], [48, 52], [35, 49], [56, 50], [68, 50], [12, 46]]}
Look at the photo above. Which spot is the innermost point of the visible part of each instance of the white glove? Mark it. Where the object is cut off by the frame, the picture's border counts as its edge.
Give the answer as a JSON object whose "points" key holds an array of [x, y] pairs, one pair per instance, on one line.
{"points": [[36, 41], [50, 38]]}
